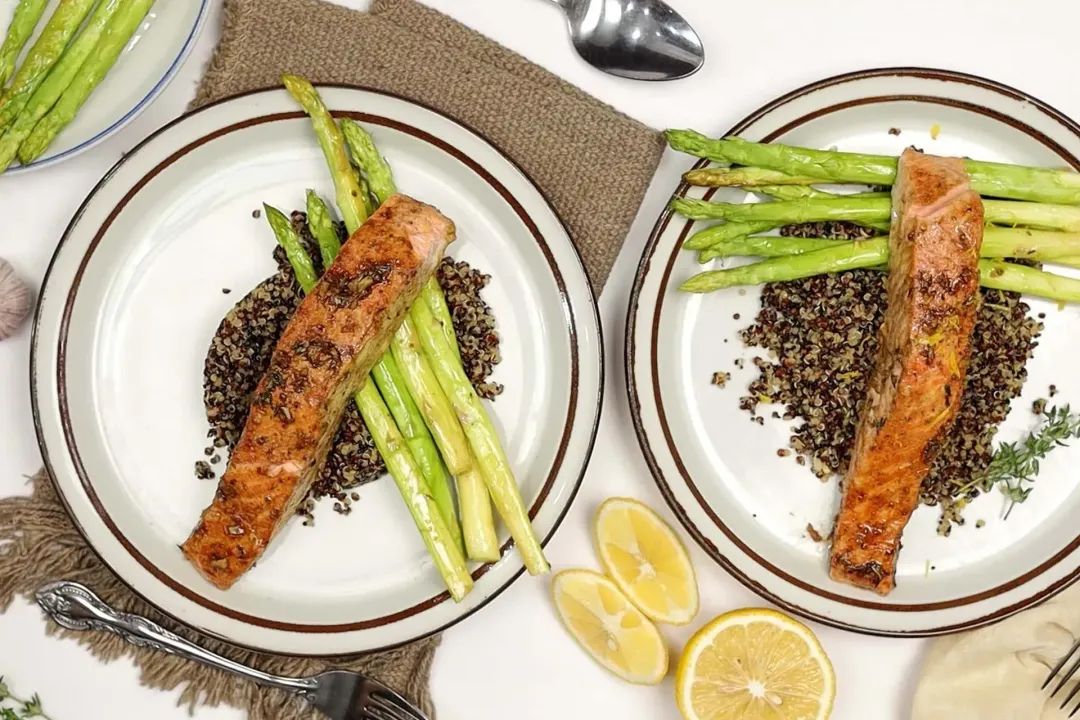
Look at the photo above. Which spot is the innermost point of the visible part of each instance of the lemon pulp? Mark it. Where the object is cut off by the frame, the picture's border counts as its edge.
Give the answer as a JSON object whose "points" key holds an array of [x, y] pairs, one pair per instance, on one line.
{"points": [[755, 664], [609, 627]]}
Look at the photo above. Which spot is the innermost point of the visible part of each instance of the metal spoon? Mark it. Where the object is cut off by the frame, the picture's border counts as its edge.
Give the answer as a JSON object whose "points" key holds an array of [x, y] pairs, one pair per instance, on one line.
{"points": [[637, 39]]}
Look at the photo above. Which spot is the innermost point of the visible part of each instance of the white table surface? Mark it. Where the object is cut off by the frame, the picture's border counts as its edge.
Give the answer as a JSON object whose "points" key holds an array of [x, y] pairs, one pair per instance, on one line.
{"points": [[513, 659]]}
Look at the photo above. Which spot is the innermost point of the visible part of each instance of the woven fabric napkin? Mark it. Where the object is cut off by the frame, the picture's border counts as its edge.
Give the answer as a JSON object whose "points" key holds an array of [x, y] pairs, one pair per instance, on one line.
{"points": [[572, 146]]}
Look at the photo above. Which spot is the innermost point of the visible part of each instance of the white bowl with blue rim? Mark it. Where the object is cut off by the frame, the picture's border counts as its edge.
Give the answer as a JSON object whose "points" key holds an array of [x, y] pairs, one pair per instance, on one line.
{"points": [[148, 64]]}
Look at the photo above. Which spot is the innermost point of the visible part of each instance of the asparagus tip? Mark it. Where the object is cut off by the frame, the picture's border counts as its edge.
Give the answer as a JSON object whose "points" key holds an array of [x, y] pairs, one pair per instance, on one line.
{"points": [[679, 140], [296, 85], [272, 214], [682, 206], [697, 284]]}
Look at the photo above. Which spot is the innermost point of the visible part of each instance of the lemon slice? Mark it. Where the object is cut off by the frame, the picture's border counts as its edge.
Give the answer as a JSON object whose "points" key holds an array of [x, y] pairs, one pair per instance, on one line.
{"points": [[647, 560], [754, 664], [606, 624]]}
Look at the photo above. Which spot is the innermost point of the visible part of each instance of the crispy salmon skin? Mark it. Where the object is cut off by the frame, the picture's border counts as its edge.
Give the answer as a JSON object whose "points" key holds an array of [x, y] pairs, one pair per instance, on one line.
{"points": [[328, 348], [914, 393]]}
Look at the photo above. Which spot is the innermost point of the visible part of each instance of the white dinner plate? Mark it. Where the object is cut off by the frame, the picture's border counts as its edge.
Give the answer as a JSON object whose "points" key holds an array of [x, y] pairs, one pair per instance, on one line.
{"points": [[134, 295], [145, 68], [747, 507]]}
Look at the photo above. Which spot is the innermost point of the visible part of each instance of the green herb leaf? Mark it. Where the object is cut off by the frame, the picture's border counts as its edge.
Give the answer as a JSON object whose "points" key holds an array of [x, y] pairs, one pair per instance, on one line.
{"points": [[24, 710], [1013, 468], [32, 708]]}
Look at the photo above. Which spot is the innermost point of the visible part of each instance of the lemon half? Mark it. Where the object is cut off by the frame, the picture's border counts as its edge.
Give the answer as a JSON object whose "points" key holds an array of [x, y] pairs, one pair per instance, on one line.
{"points": [[647, 560], [609, 627], [755, 664]]}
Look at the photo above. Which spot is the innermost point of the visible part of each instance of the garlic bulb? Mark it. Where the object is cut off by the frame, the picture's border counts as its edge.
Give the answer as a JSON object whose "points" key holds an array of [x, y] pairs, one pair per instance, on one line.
{"points": [[14, 300]]}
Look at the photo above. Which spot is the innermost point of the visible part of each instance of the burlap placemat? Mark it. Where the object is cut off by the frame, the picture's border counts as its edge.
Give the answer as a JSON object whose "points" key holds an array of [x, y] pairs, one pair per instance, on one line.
{"points": [[577, 149], [593, 163], [39, 544]]}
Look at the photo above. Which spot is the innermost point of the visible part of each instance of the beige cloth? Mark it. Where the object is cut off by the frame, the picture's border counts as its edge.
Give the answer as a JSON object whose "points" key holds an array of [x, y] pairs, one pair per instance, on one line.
{"points": [[593, 164], [996, 672]]}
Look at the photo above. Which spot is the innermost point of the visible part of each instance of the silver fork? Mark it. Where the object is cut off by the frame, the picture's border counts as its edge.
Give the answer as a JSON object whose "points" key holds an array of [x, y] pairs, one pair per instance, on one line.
{"points": [[1065, 678], [338, 694]]}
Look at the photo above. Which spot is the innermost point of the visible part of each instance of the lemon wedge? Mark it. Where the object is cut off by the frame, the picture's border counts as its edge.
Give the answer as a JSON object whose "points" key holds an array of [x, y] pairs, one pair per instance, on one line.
{"points": [[754, 664], [609, 627], [647, 560]]}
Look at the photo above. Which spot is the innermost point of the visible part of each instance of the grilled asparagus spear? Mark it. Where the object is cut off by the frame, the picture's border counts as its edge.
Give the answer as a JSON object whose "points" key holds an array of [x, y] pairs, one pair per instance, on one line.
{"points": [[27, 14], [46, 51]]}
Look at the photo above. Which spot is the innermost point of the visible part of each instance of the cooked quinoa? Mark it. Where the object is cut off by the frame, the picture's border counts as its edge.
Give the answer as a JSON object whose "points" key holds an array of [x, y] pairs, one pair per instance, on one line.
{"points": [[830, 229], [720, 379], [240, 351], [474, 325], [822, 333]]}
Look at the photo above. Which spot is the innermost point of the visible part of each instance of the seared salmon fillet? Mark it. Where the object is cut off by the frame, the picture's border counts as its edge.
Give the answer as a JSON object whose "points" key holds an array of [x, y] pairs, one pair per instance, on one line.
{"points": [[327, 350], [914, 393]]}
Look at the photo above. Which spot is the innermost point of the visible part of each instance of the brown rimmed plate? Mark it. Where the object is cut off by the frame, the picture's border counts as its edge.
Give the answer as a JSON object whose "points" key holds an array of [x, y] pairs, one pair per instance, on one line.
{"points": [[135, 292], [750, 508]]}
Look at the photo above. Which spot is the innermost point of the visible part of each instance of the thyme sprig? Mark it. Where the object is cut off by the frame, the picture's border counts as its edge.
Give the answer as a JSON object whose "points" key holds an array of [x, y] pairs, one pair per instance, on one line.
{"points": [[1014, 465], [13, 707]]}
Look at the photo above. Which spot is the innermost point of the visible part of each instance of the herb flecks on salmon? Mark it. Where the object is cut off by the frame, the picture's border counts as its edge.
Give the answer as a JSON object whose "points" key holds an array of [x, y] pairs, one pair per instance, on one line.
{"points": [[337, 334], [918, 380]]}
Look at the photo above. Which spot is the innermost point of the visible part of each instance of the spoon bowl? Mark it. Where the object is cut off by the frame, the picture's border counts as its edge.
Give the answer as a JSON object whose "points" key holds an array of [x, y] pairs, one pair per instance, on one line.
{"points": [[636, 39]]}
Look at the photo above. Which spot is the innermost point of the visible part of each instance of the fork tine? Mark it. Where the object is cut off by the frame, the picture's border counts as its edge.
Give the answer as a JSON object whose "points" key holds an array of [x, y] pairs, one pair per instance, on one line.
{"points": [[1071, 695], [1066, 677], [1057, 669], [388, 694], [393, 705], [375, 709]]}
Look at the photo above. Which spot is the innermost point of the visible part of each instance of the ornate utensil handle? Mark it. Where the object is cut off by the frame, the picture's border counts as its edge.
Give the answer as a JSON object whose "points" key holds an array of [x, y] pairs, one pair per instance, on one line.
{"points": [[75, 607]]}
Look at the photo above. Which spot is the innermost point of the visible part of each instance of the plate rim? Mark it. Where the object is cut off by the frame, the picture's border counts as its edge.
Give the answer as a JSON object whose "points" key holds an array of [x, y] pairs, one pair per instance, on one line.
{"points": [[591, 307], [143, 104], [629, 351]]}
